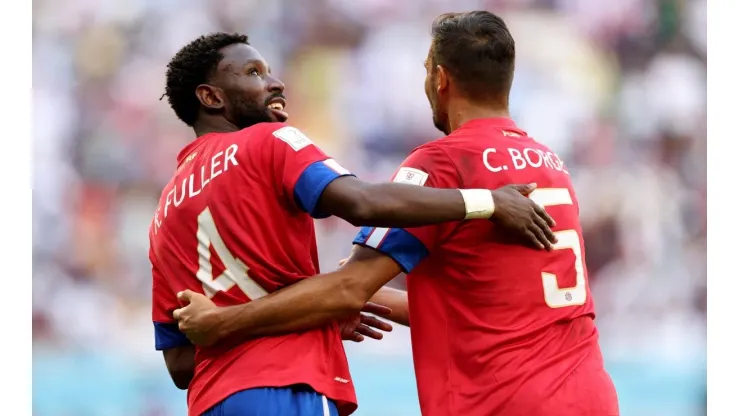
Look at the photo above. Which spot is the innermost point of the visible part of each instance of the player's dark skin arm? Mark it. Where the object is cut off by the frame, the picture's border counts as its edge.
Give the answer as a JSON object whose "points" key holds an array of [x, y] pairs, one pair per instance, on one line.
{"points": [[308, 304], [401, 205], [390, 204], [180, 363]]}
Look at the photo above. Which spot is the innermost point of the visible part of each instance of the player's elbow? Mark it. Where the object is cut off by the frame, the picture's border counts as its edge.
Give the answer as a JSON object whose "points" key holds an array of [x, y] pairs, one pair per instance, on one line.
{"points": [[180, 362], [181, 375], [181, 380]]}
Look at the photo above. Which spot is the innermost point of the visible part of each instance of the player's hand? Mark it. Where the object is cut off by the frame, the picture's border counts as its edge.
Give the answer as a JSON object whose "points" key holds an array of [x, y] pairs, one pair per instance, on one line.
{"points": [[197, 318], [522, 216], [358, 327]]}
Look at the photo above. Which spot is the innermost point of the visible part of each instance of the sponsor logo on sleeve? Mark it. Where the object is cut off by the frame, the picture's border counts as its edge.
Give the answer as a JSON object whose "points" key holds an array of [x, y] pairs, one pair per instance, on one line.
{"points": [[411, 176], [293, 137]]}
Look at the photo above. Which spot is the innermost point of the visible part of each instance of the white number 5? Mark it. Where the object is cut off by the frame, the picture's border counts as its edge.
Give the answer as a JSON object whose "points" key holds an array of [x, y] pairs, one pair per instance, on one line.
{"points": [[235, 273], [557, 297]]}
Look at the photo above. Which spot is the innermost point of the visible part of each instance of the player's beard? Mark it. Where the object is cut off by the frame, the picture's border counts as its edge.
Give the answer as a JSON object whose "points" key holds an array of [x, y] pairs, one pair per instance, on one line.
{"points": [[248, 113], [438, 118], [440, 122]]}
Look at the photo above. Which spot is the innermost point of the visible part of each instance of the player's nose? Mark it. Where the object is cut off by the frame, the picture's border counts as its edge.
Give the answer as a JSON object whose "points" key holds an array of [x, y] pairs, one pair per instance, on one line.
{"points": [[275, 85]]}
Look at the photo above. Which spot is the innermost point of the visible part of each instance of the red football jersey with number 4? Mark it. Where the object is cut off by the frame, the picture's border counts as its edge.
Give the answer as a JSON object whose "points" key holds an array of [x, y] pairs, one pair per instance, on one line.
{"points": [[235, 222], [498, 328]]}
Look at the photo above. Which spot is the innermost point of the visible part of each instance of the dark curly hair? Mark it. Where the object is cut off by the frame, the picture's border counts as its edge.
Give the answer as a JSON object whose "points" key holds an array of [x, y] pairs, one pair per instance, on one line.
{"points": [[193, 65]]}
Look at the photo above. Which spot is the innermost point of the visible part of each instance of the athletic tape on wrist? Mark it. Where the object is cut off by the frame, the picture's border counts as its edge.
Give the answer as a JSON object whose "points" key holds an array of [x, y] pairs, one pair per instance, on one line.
{"points": [[478, 203]]}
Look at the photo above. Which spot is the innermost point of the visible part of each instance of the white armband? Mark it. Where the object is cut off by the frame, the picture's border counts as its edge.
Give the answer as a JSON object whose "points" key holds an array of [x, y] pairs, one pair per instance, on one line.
{"points": [[478, 203]]}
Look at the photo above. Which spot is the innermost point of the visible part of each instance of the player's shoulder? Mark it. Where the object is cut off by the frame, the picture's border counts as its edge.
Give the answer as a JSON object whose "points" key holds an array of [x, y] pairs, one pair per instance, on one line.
{"points": [[432, 150], [290, 135], [448, 151], [427, 159], [265, 129]]}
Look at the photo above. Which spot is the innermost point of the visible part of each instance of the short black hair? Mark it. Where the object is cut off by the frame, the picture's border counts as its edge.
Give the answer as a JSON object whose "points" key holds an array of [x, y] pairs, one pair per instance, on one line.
{"points": [[193, 65], [477, 49]]}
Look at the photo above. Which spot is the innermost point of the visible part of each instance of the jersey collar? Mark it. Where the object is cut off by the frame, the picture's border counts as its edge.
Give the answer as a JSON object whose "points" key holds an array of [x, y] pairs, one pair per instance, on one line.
{"points": [[190, 148], [497, 122]]}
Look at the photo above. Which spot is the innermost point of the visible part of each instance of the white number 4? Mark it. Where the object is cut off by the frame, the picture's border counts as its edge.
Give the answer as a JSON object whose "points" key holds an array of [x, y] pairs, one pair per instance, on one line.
{"points": [[235, 273], [557, 297]]}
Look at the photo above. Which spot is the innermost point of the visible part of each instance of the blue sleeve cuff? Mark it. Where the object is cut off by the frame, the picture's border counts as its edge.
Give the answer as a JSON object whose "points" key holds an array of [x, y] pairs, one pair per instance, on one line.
{"points": [[396, 243], [168, 336], [312, 182]]}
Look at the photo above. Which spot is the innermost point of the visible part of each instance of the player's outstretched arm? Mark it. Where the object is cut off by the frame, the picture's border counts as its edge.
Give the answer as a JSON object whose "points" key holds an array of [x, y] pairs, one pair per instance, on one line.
{"points": [[402, 205], [320, 186], [311, 303]]}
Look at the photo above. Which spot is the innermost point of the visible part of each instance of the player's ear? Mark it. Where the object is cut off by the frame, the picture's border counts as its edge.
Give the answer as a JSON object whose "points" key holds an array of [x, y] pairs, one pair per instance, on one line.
{"points": [[209, 96], [443, 79]]}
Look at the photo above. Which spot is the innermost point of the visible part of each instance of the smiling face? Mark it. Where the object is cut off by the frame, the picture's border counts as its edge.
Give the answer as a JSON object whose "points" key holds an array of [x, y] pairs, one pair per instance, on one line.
{"points": [[243, 89]]}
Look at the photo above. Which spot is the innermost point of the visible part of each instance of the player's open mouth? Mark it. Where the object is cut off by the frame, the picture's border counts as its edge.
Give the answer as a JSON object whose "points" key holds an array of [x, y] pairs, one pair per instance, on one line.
{"points": [[276, 106]]}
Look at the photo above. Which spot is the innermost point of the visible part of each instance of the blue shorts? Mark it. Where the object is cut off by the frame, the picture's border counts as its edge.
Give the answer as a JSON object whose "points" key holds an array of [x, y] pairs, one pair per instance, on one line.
{"points": [[298, 400]]}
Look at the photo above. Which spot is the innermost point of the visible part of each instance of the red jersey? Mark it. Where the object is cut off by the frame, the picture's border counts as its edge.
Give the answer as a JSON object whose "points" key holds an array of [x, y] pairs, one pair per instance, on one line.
{"points": [[235, 222], [498, 328]]}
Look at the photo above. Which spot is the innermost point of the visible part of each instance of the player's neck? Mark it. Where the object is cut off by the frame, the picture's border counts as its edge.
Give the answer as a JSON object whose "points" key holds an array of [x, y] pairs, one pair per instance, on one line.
{"points": [[214, 125], [463, 112]]}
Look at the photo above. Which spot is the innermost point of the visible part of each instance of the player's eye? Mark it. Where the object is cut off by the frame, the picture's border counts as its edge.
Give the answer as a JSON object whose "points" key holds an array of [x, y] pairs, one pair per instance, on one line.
{"points": [[253, 71]]}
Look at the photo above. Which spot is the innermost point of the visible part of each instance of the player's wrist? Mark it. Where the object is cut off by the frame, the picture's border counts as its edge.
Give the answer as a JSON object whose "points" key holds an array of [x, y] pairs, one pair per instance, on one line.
{"points": [[479, 203]]}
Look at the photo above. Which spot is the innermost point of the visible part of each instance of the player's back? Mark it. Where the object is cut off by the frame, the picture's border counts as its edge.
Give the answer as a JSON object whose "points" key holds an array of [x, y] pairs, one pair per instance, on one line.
{"points": [[517, 322], [227, 226]]}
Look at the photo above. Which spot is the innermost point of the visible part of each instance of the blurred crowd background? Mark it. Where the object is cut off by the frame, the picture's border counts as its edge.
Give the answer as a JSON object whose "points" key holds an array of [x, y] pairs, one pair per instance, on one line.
{"points": [[617, 88]]}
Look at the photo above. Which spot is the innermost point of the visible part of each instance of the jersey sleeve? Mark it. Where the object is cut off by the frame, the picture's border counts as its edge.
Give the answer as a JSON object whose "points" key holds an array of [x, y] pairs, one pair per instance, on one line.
{"points": [[302, 169], [164, 301], [427, 166]]}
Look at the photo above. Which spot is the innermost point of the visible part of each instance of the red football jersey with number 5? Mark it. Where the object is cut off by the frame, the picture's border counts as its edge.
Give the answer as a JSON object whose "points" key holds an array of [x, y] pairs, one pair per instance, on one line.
{"points": [[235, 222], [498, 328]]}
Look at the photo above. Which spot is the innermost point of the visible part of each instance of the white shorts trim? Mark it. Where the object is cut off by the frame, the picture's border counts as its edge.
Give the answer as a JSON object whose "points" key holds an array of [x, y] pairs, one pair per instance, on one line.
{"points": [[325, 403]]}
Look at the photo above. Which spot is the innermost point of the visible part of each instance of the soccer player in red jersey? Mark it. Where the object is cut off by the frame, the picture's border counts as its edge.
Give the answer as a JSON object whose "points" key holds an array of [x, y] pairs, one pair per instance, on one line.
{"points": [[496, 328], [235, 223]]}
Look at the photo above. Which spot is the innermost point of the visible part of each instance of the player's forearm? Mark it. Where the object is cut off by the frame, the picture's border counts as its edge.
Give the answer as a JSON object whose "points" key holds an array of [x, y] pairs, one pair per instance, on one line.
{"points": [[397, 301], [398, 205], [391, 204], [311, 303]]}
